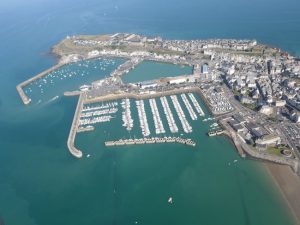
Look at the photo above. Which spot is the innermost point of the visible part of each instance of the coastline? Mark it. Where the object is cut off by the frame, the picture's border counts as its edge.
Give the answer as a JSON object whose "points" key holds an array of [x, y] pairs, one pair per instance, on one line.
{"points": [[288, 184]]}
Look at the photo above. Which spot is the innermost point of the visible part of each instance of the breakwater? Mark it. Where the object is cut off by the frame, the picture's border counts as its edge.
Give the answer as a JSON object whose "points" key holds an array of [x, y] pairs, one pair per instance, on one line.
{"points": [[71, 139], [153, 140]]}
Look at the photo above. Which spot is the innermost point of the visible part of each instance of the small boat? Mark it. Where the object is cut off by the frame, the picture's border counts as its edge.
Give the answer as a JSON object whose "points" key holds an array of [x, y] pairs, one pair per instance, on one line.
{"points": [[88, 155], [170, 200]]}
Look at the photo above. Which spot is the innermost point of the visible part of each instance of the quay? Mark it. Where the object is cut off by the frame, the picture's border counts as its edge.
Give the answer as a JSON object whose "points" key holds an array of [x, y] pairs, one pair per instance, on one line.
{"points": [[153, 140], [71, 139]]}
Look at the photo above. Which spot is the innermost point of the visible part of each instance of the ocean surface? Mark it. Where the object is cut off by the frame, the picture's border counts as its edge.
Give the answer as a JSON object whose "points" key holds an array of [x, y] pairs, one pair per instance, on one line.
{"points": [[41, 183]]}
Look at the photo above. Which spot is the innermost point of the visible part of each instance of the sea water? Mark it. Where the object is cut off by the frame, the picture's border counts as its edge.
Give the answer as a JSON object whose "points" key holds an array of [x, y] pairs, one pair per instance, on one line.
{"points": [[41, 183]]}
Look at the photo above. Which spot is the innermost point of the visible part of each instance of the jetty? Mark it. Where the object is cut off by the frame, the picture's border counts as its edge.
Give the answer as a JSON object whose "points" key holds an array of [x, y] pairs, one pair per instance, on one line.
{"points": [[153, 140]]}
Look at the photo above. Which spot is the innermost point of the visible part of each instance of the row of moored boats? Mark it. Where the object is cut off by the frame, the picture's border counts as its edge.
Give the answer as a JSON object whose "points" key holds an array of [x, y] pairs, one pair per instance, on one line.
{"points": [[159, 128], [143, 118], [126, 114], [185, 124], [169, 115], [190, 109], [196, 104], [92, 114], [150, 141]]}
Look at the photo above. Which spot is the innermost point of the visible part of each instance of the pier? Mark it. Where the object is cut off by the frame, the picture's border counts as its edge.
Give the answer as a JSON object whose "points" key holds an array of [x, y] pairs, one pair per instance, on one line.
{"points": [[153, 140], [71, 139]]}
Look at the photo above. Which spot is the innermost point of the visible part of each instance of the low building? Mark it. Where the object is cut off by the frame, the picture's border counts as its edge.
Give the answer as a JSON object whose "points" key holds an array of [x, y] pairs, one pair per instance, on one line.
{"points": [[204, 68], [246, 100], [268, 140], [295, 117], [280, 103], [239, 118], [178, 80], [148, 84], [267, 110], [236, 125]]}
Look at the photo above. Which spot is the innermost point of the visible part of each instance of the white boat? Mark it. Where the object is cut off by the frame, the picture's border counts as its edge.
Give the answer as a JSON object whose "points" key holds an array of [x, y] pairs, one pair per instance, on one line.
{"points": [[170, 200]]}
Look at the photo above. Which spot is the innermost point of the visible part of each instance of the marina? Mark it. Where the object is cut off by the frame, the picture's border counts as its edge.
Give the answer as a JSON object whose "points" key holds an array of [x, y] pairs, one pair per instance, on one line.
{"points": [[153, 140], [185, 124]]}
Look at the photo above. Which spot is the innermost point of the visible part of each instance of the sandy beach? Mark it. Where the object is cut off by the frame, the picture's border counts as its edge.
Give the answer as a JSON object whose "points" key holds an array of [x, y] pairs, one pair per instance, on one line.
{"points": [[289, 184]]}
